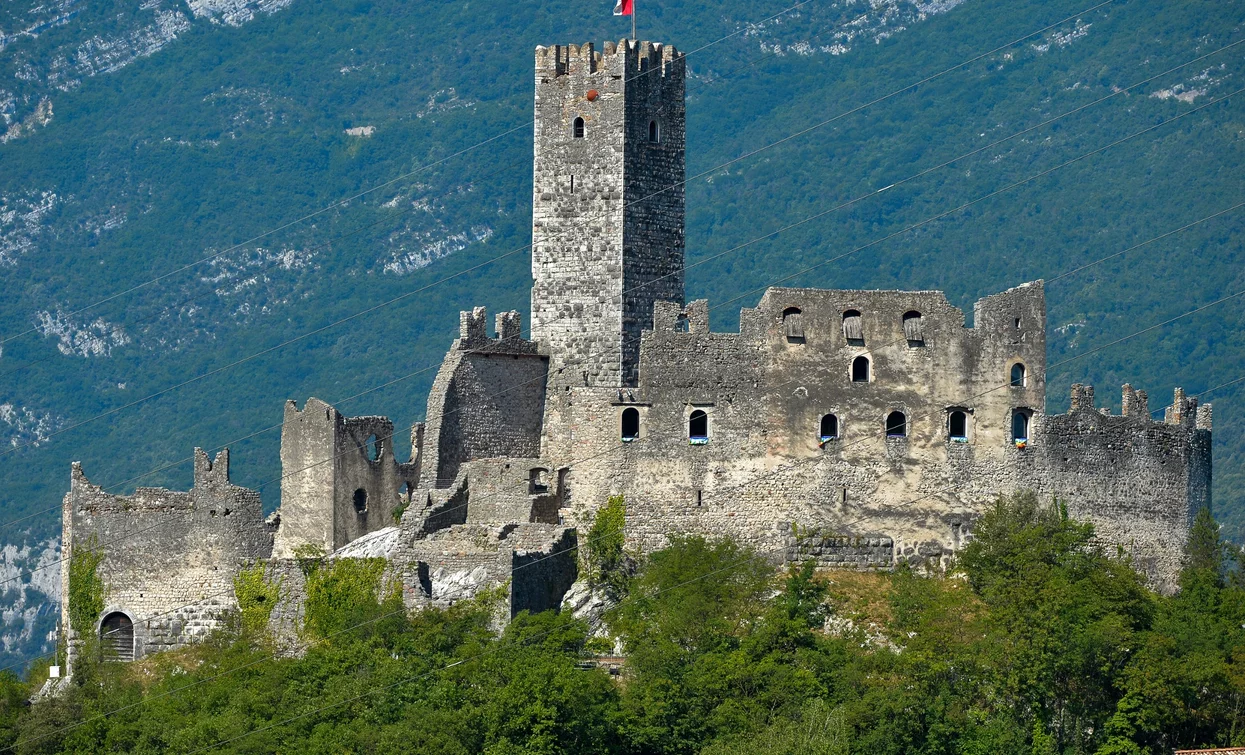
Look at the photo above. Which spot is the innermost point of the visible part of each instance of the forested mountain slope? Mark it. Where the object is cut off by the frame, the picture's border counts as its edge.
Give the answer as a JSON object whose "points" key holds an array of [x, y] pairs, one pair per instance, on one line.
{"points": [[242, 122]]}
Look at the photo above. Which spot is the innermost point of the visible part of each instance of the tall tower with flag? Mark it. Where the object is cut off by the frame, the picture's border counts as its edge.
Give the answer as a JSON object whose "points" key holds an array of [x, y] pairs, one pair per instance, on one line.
{"points": [[608, 203]]}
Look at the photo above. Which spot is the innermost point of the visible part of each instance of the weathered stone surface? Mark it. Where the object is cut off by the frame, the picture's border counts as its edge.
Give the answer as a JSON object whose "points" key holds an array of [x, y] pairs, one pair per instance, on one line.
{"points": [[523, 441]]}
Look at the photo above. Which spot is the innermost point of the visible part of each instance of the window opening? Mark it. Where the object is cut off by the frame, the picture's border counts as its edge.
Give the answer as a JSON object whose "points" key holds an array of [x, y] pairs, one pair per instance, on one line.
{"points": [[853, 328], [793, 324], [372, 447], [654, 132], [1018, 375], [116, 637], [579, 128], [630, 424], [913, 330], [572, 184], [538, 481], [698, 427], [829, 428], [1020, 427], [860, 370], [408, 492], [896, 425], [360, 501], [957, 426], [681, 325]]}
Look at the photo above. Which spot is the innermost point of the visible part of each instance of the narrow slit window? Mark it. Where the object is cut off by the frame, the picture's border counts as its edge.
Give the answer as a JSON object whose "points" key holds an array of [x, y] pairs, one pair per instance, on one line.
{"points": [[1018, 375], [829, 428], [793, 324], [698, 427], [654, 132], [913, 330], [578, 128], [853, 328], [630, 424], [957, 426], [860, 370], [116, 637], [896, 425], [572, 184], [1020, 426]]}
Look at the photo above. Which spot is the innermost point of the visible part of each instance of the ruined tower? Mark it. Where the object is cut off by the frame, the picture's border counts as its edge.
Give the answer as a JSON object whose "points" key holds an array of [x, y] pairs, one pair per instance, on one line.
{"points": [[607, 218]]}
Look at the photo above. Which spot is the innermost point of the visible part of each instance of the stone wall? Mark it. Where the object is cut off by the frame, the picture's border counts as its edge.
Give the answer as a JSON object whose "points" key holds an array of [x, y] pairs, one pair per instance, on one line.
{"points": [[169, 558], [766, 388], [340, 479], [487, 401], [607, 205]]}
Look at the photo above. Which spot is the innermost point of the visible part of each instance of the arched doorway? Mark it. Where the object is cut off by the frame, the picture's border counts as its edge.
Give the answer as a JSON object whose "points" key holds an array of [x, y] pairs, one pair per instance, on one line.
{"points": [[116, 637]]}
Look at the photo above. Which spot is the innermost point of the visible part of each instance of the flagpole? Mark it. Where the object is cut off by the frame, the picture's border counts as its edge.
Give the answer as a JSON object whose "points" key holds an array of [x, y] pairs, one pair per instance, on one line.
{"points": [[633, 36]]}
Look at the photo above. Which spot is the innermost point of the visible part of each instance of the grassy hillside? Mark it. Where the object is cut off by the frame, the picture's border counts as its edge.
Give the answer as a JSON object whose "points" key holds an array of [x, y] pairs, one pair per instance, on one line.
{"points": [[230, 132]]}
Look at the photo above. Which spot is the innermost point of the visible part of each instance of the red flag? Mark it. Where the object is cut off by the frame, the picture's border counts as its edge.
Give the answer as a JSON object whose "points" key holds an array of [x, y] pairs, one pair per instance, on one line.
{"points": [[623, 8]]}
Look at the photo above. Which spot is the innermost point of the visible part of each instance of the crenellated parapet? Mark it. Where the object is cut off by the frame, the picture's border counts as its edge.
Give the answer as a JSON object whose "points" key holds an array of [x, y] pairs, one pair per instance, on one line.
{"points": [[508, 326], [627, 56]]}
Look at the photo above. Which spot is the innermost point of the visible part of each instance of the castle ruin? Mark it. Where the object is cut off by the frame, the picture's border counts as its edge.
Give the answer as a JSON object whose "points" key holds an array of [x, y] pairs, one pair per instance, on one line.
{"points": [[858, 428]]}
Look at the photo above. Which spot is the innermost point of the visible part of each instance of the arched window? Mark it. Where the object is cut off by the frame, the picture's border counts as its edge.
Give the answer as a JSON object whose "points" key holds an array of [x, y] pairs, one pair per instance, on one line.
{"points": [[913, 330], [1018, 375], [538, 481], [116, 637], [853, 329], [793, 324], [896, 425], [654, 132], [578, 128], [698, 427], [957, 426], [1020, 426], [360, 501], [372, 447], [860, 369], [829, 427], [630, 424]]}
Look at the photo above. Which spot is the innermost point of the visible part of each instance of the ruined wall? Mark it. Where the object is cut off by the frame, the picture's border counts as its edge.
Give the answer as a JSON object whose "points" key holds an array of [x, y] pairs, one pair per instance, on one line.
{"points": [[535, 563], [340, 479], [1139, 482], [487, 401], [169, 558], [593, 241], [765, 465]]}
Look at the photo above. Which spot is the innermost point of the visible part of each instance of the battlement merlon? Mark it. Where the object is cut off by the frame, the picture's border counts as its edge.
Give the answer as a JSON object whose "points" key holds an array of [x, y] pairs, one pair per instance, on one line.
{"points": [[209, 472], [627, 57], [473, 333]]}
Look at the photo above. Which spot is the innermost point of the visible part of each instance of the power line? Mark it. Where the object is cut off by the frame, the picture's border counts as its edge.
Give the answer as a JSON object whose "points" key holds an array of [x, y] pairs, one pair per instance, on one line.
{"points": [[368, 226], [721, 492], [378, 187], [517, 250], [892, 235]]}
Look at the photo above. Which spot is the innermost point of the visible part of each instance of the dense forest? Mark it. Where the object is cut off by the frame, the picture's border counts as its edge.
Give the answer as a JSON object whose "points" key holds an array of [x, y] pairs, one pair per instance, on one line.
{"points": [[1035, 641], [180, 165]]}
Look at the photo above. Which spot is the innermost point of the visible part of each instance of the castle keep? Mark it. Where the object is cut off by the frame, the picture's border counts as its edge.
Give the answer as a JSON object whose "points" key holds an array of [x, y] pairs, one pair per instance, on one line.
{"points": [[858, 428]]}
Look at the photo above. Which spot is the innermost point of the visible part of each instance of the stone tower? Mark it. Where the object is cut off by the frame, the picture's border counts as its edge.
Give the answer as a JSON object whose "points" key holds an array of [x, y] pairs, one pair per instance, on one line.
{"points": [[607, 217]]}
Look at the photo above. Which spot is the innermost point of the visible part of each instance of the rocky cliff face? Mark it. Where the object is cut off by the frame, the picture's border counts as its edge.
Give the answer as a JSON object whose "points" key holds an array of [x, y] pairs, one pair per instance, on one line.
{"points": [[30, 589], [50, 48]]}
